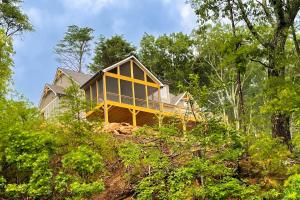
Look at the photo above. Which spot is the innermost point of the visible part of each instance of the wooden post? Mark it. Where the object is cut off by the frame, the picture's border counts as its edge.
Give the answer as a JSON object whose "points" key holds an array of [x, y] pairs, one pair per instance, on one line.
{"points": [[119, 85], [97, 95], [134, 117], [146, 90], [160, 119], [132, 83], [131, 68], [91, 98], [159, 99], [105, 100]]}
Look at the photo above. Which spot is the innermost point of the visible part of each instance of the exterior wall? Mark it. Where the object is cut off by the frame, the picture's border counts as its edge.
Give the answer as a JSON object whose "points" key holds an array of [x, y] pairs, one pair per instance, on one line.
{"points": [[47, 99], [51, 109]]}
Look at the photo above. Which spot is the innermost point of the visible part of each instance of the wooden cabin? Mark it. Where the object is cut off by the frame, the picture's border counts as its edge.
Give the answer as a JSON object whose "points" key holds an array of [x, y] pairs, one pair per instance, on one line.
{"points": [[52, 93], [128, 92]]}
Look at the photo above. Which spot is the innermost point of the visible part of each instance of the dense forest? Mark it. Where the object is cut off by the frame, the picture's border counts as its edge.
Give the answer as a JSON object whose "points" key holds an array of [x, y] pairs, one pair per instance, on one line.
{"points": [[240, 65]]}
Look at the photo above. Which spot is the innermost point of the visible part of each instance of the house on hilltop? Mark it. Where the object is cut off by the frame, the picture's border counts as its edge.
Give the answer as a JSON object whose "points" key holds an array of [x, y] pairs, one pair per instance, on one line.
{"points": [[128, 92], [124, 92], [50, 100]]}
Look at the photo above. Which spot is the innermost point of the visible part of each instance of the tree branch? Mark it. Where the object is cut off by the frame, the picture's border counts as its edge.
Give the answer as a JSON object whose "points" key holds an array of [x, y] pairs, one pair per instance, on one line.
{"points": [[266, 10], [249, 24], [262, 63]]}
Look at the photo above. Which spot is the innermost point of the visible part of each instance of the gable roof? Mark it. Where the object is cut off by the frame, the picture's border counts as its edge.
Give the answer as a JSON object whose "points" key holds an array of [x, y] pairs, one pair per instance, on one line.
{"points": [[151, 75], [55, 88], [78, 77]]}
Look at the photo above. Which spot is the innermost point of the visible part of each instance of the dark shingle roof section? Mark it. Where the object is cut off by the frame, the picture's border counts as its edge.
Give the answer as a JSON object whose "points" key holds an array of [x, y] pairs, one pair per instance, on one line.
{"points": [[80, 78], [56, 89]]}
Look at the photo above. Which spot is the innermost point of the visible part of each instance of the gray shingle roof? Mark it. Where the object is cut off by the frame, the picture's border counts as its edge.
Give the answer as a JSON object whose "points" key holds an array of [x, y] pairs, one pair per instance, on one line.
{"points": [[56, 89], [80, 78]]}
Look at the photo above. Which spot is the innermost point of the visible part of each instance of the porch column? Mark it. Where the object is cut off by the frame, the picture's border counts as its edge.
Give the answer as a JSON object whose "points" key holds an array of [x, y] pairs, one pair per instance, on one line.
{"points": [[134, 117], [105, 100], [146, 90], [119, 85]]}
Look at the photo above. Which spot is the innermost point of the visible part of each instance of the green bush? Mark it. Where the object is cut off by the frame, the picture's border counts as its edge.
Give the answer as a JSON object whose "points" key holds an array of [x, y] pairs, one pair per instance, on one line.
{"points": [[292, 188], [83, 160]]}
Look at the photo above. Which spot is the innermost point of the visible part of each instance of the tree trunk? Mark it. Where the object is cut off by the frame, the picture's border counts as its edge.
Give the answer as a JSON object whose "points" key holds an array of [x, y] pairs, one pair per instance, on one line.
{"points": [[281, 126], [240, 96], [280, 120], [241, 101]]}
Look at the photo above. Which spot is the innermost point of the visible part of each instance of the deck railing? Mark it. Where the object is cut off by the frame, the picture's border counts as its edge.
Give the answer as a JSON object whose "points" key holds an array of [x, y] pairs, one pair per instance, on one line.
{"points": [[150, 103]]}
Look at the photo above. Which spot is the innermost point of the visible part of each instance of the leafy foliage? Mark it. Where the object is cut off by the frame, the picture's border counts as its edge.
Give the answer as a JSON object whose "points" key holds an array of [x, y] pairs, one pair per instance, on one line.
{"points": [[74, 47], [6, 63], [12, 19], [109, 51]]}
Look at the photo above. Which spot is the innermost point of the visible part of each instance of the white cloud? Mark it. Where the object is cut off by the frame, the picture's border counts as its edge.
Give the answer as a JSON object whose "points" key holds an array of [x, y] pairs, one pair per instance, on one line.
{"points": [[188, 17], [92, 6]]}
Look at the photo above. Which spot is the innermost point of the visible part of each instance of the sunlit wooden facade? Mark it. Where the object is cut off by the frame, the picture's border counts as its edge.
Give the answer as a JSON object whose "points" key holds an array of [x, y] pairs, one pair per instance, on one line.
{"points": [[129, 92]]}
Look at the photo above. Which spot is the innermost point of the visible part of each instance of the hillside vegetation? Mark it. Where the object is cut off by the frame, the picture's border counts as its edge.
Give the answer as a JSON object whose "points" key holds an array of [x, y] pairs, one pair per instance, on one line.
{"points": [[241, 67]]}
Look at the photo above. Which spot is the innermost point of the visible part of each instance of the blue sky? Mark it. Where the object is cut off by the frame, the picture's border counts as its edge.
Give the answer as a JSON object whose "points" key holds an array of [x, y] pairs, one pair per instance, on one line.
{"points": [[35, 62]]}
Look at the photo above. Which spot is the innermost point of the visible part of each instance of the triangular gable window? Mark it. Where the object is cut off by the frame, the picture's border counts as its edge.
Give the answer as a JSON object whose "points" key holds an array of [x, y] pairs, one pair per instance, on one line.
{"points": [[125, 69], [138, 72]]}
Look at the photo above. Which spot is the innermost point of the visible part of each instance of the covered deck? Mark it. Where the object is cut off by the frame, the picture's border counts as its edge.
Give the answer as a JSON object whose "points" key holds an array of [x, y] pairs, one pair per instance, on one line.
{"points": [[128, 93]]}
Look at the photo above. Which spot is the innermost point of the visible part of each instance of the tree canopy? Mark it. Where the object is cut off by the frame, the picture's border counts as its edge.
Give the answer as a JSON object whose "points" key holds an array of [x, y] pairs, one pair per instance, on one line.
{"points": [[72, 50], [109, 51]]}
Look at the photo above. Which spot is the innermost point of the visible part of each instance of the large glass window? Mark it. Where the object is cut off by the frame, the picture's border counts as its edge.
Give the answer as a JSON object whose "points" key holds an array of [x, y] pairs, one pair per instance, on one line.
{"points": [[126, 92], [140, 95], [112, 89], [153, 97], [125, 69], [100, 90], [138, 73]]}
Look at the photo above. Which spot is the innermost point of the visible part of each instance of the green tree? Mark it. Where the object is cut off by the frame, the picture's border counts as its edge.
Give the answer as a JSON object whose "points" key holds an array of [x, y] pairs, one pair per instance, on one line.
{"points": [[269, 24], [6, 62], [109, 51], [171, 58], [217, 50], [74, 47], [12, 19]]}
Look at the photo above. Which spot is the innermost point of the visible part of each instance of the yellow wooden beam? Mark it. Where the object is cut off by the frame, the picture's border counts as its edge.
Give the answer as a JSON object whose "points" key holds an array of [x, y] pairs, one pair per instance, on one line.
{"points": [[99, 106], [126, 78], [122, 105], [131, 69], [146, 90], [134, 118], [132, 83], [159, 99], [105, 101]]}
